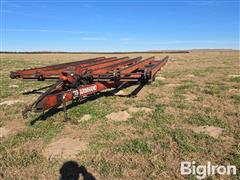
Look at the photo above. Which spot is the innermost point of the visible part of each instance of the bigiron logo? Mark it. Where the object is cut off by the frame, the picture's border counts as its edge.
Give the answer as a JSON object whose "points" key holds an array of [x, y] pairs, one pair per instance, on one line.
{"points": [[202, 171]]}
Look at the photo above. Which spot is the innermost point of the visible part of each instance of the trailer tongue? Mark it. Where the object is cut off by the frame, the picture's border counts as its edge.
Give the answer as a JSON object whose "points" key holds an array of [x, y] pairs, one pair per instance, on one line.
{"points": [[76, 80]]}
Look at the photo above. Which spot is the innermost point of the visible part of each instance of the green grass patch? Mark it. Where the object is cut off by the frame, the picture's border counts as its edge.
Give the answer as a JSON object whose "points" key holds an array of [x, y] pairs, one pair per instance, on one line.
{"points": [[236, 98], [162, 118], [108, 169], [98, 109], [186, 140], [44, 130], [200, 72], [215, 89], [160, 108], [185, 87], [203, 120], [187, 84], [104, 168], [206, 71], [208, 109], [18, 158], [158, 83], [106, 135], [152, 97], [235, 79], [183, 106], [1, 123], [180, 105], [174, 74], [183, 141], [96, 145], [234, 158], [196, 72], [162, 133], [189, 141], [162, 137], [136, 146]]}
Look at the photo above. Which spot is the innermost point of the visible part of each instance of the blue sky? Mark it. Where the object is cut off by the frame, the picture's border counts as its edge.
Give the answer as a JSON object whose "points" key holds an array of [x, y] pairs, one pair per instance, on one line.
{"points": [[122, 25]]}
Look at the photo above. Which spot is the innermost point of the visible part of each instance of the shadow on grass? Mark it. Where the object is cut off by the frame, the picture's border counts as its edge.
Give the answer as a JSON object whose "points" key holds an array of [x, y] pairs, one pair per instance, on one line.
{"points": [[36, 91], [56, 110], [70, 170]]}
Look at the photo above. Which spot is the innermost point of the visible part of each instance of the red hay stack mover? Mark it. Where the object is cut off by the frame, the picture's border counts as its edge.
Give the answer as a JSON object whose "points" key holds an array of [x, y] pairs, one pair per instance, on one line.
{"points": [[78, 80]]}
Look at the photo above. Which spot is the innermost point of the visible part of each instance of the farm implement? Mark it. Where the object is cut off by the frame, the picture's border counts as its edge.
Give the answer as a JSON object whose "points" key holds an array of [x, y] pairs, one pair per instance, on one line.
{"points": [[81, 79]]}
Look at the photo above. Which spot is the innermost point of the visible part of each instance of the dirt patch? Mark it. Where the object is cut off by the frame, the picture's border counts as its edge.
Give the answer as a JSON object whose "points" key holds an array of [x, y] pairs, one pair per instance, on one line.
{"points": [[85, 117], [13, 86], [135, 109], [209, 130], [190, 97], [160, 78], [234, 75], [190, 75], [64, 148], [173, 85], [10, 102], [4, 132], [234, 91], [119, 116], [12, 127], [172, 110]]}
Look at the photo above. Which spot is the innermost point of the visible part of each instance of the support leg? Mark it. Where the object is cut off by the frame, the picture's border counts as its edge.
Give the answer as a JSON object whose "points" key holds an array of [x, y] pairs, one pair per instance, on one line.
{"points": [[137, 90], [65, 111]]}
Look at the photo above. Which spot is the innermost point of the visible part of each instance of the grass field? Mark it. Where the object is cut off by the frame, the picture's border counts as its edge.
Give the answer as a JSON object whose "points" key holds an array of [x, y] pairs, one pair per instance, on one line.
{"points": [[191, 112]]}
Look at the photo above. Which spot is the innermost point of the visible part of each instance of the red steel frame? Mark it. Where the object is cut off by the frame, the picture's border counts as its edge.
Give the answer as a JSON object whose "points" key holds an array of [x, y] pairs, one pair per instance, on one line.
{"points": [[77, 80]]}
